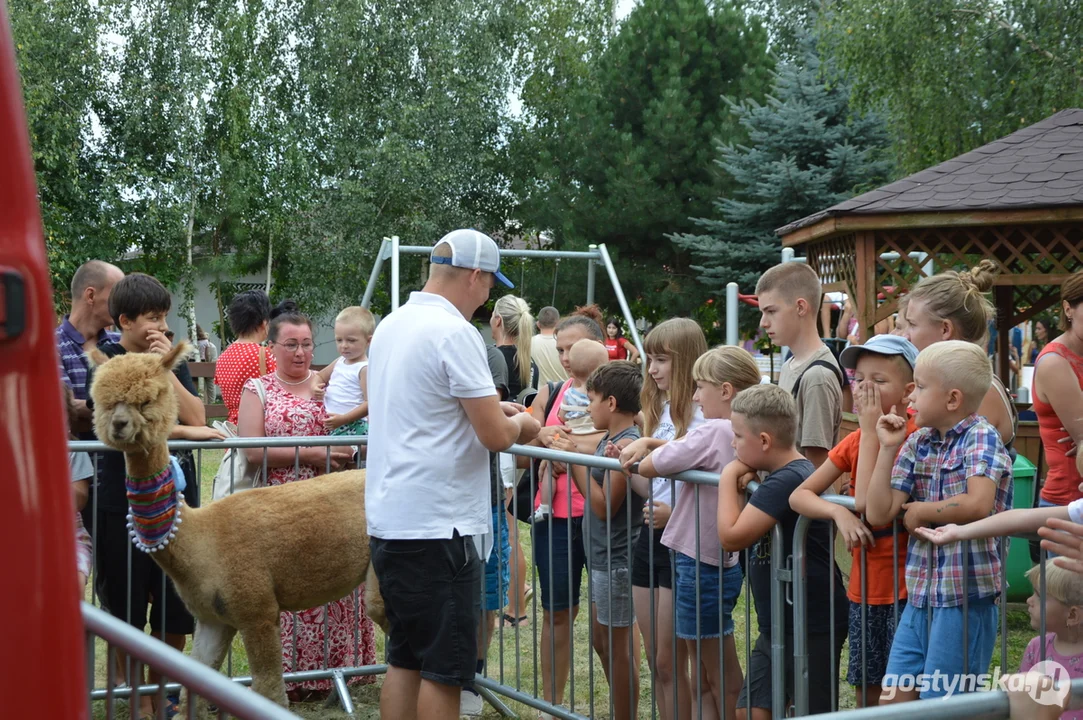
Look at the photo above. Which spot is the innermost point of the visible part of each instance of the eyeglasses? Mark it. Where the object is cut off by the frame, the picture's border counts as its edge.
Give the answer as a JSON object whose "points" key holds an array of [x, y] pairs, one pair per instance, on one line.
{"points": [[293, 347]]}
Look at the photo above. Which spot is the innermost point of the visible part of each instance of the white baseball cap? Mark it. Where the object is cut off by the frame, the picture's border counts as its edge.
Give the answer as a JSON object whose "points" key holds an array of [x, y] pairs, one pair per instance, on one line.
{"points": [[472, 250]]}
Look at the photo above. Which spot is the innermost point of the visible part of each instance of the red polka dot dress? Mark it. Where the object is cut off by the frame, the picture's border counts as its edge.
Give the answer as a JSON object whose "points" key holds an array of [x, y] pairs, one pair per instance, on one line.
{"points": [[236, 365]]}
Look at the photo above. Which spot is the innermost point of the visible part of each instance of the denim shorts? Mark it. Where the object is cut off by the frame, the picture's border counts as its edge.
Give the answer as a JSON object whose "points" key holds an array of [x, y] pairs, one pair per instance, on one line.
{"points": [[552, 552], [916, 655], [879, 634], [709, 598], [498, 566]]}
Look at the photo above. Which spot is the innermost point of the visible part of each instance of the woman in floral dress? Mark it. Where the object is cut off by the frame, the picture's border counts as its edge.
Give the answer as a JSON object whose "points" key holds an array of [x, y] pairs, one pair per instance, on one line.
{"points": [[340, 631]]}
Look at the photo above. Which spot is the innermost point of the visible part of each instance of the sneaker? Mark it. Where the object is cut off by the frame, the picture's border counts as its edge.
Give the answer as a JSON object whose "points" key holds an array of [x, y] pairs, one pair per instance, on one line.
{"points": [[470, 704], [540, 514]]}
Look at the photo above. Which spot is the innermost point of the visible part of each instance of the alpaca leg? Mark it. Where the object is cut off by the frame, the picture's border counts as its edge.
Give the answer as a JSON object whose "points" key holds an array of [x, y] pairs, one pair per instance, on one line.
{"points": [[210, 643], [264, 647], [374, 601]]}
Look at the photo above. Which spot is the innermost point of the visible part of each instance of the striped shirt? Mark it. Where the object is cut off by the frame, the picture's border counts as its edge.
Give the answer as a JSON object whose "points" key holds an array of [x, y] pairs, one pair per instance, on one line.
{"points": [[931, 468], [74, 366]]}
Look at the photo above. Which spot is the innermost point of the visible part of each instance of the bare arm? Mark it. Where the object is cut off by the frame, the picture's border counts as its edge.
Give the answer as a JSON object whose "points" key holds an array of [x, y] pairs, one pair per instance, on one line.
{"points": [[80, 491], [1010, 522], [1061, 388], [806, 500], [495, 429], [739, 525], [974, 504], [633, 352], [190, 410], [324, 375], [884, 503]]}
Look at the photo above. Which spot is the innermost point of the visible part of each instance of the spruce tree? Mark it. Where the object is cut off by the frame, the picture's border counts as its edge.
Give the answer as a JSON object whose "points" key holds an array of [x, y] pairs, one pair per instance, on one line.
{"points": [[807, 150]]}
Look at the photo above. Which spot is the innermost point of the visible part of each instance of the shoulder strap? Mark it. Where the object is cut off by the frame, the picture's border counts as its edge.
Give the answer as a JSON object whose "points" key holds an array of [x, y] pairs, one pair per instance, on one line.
{"points": [[261, 392], [554, 387], [262, 361], [1013, 413], [839, 375]]}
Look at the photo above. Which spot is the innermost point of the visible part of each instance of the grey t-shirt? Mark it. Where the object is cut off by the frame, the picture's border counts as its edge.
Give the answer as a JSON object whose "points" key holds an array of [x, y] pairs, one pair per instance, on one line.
{"points": [[610, 541], [819, 400]]}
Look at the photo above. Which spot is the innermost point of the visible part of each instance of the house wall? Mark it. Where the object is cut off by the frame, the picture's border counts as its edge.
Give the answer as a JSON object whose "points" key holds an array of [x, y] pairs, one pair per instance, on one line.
{"points": [[207, 316]]}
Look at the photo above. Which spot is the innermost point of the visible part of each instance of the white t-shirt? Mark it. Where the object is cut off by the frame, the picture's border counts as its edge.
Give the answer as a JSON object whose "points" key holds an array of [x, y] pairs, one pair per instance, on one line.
{"points": [[343, 391], [1075, 511], [81, 466], [666, 430], [428, 474]]}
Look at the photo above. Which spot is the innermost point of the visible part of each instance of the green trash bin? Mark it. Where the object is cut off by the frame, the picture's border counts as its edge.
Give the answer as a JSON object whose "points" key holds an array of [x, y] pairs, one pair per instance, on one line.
{"points": [[1019, 560]]}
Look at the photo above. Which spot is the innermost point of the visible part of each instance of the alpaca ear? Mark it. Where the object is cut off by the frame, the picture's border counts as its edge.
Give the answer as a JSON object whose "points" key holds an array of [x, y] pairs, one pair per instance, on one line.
{"points": [[97, 358], [175, 356]]}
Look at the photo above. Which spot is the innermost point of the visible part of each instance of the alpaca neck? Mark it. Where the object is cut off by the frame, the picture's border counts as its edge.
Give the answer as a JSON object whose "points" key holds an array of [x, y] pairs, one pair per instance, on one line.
{"points": [[155, 507]]}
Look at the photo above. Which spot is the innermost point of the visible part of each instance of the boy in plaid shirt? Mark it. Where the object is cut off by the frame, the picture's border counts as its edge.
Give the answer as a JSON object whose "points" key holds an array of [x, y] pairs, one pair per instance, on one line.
{"points": [[953, 469]]}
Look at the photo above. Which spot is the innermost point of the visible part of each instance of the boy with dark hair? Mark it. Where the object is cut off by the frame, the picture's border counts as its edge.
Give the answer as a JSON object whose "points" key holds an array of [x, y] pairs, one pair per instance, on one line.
{"points": [[789, 296], [611, 530], [138, 305], [764, 419]]}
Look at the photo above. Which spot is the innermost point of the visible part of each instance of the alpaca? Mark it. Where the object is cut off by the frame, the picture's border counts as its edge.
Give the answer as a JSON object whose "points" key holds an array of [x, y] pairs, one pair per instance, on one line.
{"points": [[241, 560]]}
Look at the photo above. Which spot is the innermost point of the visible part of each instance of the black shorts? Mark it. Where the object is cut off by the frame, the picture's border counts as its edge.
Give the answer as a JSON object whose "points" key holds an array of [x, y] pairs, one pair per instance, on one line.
{"points": [[822, 674], [642, 575], [167, 611], [432, 593]]}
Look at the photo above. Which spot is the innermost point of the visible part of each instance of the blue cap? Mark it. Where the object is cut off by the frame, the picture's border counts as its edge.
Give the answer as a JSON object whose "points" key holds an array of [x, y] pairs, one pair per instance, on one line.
{"points": [[881, 345], [472, 250]]}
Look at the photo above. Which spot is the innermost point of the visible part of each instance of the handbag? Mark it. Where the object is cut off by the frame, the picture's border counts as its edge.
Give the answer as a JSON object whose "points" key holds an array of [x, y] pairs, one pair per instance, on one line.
{"points": [[235, 467], [522, 504]]}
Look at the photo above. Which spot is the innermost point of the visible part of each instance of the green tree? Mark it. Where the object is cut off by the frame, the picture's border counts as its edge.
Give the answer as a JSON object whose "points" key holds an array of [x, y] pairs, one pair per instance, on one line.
{"points": [[622, 139], [956, 74], [807, 150], [60, 65]]}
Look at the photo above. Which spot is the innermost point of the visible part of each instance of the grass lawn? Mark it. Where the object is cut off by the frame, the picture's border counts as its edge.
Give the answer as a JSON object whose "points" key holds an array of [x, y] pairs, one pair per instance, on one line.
{"points": [[514, 653]]}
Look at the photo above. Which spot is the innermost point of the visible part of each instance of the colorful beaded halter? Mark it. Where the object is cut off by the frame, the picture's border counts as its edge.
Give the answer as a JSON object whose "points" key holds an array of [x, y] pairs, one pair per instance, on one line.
{"points": [[155, 508]]}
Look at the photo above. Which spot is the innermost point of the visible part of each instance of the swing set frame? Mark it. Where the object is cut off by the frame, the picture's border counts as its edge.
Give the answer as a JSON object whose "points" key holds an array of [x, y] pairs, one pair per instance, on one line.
{"points": [[392, 249]]}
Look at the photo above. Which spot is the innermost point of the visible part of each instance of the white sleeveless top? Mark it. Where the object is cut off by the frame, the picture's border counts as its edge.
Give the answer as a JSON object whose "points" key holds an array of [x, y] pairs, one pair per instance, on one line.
{"points": [[343, 391]]}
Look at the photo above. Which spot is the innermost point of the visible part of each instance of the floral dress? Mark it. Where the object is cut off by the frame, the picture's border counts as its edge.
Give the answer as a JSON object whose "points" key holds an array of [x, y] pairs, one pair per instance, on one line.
{"points": [[343, 625]]}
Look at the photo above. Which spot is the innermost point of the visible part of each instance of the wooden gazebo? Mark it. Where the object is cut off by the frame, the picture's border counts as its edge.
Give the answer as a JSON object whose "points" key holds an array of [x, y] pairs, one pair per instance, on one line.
{"points": [[1017, 201]]}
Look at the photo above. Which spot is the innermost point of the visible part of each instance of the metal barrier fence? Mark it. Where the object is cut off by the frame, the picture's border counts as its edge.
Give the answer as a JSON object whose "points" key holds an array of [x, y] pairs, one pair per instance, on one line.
{"points": [[551, 658], [200, 680]]}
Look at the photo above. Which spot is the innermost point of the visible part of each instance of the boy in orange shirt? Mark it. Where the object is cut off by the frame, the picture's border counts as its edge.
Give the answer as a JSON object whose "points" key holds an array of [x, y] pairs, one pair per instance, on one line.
{"points": [[883, 378]]}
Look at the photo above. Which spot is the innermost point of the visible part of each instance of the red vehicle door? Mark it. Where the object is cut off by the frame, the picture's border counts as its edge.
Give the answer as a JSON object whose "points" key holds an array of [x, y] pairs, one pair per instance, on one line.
{"points": [[41, 630]]}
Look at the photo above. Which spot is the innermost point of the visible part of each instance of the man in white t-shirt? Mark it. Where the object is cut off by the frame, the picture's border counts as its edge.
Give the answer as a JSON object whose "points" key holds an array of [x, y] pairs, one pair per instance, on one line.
{"points": [[434, 418]]}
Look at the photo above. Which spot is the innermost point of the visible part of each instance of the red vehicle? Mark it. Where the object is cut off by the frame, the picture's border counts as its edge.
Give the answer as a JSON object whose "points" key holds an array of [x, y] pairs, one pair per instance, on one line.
{"points": [[42, 660]]}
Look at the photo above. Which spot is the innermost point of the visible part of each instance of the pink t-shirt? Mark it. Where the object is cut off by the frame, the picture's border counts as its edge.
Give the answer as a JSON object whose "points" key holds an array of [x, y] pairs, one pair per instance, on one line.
{"points": [[560, 482], [1073, 664], [708, 447]]}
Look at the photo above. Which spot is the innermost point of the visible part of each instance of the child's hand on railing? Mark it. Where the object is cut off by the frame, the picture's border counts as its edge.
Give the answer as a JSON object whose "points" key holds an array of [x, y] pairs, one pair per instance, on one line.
{"points": [[853, 531], [940, 536], [634, 452]]}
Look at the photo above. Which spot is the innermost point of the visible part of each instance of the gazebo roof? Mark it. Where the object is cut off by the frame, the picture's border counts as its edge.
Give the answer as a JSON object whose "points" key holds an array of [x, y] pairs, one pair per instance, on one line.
{"points": [[1040, 166]]}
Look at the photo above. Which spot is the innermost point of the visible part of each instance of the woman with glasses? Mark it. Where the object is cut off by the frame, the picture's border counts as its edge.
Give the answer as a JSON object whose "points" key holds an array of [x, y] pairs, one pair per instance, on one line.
{"points": [[286, 407]]}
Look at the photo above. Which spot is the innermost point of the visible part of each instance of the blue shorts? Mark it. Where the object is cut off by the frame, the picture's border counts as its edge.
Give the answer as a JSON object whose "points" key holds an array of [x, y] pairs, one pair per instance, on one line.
{"points": [[498, 566], [936, 668], [709, 597], [879, 635], [552, 552]]}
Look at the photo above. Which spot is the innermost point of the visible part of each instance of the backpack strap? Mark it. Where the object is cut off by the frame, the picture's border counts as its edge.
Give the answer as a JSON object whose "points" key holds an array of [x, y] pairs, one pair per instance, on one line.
{"points": [[554, 387], [839, 375]]}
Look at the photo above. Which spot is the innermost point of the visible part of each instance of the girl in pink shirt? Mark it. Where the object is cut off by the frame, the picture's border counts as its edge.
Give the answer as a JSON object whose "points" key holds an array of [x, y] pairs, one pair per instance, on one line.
{"points": [[702, 569]]}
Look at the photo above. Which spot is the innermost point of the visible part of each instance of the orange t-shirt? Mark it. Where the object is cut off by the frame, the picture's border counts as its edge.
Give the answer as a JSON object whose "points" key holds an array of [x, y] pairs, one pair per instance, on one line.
{"points": [[878, 557]]}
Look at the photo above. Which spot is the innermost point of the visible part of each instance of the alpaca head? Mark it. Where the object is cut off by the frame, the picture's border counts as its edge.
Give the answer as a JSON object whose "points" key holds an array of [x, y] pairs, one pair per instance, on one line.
{"points": [[134, 404]]}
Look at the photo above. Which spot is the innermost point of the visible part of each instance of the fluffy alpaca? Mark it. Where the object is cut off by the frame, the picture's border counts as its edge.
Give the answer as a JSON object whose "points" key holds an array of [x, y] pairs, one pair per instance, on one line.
{"points": [[241, 560]]}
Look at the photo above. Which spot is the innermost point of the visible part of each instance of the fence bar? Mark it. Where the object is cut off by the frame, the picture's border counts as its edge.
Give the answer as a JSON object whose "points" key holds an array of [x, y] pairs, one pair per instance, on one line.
{"points": [[395, 269], [374, 276], [629, 319], [778, 625], [206, 682], [509, 252]]}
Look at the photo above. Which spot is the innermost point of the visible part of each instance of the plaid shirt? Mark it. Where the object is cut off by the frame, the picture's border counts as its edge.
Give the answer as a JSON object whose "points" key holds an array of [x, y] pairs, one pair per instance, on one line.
{"points": [[73, 361], [929, 469]]}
